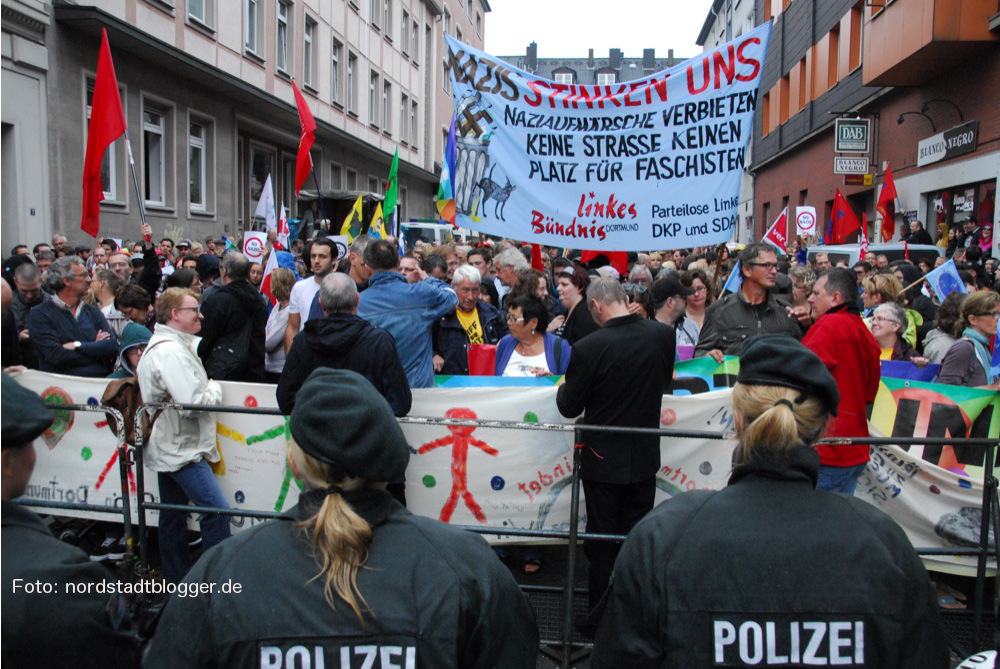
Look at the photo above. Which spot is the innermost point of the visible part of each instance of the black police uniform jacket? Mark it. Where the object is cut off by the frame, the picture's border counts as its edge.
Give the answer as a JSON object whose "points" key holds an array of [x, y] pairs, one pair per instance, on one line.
{"points": [[438, 597], [769, 572], [69, 624], [618, 376]]}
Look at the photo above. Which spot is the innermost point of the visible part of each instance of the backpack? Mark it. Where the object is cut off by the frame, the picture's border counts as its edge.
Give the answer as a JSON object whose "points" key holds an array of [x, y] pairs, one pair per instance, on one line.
{"points": [[125, 396]]}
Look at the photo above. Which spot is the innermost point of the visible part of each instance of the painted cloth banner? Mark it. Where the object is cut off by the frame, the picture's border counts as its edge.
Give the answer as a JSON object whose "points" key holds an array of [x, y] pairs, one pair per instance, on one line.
{"points": [[628, 166], [520, 478]]}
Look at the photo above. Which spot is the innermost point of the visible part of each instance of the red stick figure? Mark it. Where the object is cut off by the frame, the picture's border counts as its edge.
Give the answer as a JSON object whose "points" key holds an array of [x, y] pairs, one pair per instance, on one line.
{"points": [[459, 442]]}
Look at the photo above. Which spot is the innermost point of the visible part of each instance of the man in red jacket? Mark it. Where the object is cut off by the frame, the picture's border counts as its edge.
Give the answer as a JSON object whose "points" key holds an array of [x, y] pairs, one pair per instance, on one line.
{"points": [[842, 341]]}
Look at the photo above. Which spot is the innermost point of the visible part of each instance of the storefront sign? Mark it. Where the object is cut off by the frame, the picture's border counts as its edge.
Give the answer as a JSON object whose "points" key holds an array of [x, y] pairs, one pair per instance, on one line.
{"points": [[859, 180], [850, 165], [948, 144], [854, 135]]}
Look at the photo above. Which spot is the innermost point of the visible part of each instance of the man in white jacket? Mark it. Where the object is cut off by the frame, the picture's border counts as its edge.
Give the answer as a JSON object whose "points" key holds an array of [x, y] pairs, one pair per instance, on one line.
{"points": [[182, 443]]}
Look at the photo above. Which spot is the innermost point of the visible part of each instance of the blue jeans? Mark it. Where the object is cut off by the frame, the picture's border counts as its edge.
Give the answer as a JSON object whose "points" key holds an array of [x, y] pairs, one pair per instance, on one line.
{"points": [[197, 484], [840, 479]]}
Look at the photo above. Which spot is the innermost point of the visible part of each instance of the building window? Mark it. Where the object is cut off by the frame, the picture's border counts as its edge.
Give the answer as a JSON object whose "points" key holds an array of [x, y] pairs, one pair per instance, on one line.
{"points": [[468, 8], [352, 83], [373, 99], [352, 180], [458, 34], [308, 53], [414, 128], [404, 32], [605, 78], [404, 110], [387, 16], [447, 21], [386, 106], [415, 40], [198, 10], [373, 185], [373, 12], [110, 168], [281, 52], [253, 16], [336, 176], [155, 143], [197, 177], [446, 78], [335, 71], [564, 77], [479, 24]]}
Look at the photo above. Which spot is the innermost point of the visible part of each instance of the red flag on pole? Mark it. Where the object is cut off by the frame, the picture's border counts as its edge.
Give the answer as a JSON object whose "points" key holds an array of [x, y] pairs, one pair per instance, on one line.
{"points": [[864, 235], [303, 163], [777, 234], [844, 221], [887, 205], [536, 258], [265, 284], [619, 259], [107, 123]]}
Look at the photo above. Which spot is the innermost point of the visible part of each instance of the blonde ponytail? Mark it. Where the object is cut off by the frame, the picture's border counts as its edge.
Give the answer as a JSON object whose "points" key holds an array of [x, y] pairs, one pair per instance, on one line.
{"points": [[339, 535], [772, 419]]}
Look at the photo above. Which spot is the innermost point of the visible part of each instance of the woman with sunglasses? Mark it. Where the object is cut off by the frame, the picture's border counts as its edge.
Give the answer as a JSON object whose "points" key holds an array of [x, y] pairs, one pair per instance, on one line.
{"points": [[968, 361], [689, 329]]}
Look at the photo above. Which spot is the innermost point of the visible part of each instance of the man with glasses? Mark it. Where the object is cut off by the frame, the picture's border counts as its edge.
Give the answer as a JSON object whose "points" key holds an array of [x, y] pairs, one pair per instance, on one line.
{"points": [[473, 321], [752, 310], [67, 335]]}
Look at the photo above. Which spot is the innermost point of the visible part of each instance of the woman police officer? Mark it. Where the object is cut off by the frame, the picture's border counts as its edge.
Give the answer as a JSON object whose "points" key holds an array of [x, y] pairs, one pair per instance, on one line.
{"points": [[348, 578], [770, 571]]}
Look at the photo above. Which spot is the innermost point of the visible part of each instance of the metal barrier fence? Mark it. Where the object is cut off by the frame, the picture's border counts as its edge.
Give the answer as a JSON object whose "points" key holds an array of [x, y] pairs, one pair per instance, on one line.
{"points": [[563, 647]]}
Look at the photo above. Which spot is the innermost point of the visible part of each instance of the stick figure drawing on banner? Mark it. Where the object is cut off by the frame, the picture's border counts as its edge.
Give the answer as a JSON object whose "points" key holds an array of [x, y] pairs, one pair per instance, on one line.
{"points": [[459, 441]]}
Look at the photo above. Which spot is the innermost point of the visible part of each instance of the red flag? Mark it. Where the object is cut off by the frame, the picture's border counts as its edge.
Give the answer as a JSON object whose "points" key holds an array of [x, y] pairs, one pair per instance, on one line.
{"points": [[843, 220], [778, 232], [107, 123], [619, 259], [887, 205], [864, 234], [536, 258], [265, 284], [303, 163]]}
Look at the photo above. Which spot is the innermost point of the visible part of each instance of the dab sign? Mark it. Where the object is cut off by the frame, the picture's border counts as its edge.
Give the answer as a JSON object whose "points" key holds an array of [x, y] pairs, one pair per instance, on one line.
{"points": [[853, 135]]}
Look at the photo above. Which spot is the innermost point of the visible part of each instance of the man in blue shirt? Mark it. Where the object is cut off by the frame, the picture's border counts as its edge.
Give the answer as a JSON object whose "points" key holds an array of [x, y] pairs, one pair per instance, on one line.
{"points": [[406, 310]]}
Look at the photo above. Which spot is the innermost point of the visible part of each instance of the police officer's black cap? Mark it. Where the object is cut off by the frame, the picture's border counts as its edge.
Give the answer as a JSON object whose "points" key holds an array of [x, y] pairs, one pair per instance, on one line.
{"points": [[24, 414], [780, 360], [341, 419]]}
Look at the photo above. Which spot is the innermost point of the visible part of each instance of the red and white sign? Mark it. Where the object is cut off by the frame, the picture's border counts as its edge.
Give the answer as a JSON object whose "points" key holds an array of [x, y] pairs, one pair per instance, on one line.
{"points": [[778, 233], [805, 220], [253, 245]]}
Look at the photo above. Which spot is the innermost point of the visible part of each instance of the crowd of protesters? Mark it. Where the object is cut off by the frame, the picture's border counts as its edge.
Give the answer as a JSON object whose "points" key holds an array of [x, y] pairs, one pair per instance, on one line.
{"points": [[195, 313]]}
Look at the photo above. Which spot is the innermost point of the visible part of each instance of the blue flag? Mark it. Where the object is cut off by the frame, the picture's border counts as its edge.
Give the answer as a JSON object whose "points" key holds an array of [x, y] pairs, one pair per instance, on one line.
{"points": [[734, 281], [946, 280]]}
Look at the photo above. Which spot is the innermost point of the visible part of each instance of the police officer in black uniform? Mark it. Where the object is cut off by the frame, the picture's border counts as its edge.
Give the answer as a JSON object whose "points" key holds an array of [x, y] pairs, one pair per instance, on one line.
{"points": [[56, 608], [347, 578], [769, 571]]}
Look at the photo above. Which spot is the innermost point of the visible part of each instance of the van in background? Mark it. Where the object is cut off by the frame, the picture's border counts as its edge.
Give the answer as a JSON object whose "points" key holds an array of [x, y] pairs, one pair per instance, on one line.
{"points": [[891, 250]]}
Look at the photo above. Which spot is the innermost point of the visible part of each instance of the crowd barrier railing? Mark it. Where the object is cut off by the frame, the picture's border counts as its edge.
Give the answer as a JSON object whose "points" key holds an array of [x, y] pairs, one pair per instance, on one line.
{"points": [[564, 647]]}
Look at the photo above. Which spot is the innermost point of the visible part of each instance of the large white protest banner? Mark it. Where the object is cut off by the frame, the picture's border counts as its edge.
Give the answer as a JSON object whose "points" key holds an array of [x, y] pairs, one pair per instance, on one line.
{"points": [[650, 163], [499, 477]]}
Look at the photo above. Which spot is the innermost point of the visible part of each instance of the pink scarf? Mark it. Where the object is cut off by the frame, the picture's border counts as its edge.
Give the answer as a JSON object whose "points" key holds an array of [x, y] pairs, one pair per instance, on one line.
{"points": [[986, 238]]}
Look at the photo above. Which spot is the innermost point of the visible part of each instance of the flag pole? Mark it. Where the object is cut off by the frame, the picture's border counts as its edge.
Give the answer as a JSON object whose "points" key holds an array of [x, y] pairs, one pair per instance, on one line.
{"points": [[135, 180], [319, 197]]}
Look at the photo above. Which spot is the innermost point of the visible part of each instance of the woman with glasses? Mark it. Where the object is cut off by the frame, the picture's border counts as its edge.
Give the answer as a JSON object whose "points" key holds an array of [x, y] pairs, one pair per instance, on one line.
{"points": [[888, 324], [571, 285], [689, 329], [529, 350], [967, 362]]}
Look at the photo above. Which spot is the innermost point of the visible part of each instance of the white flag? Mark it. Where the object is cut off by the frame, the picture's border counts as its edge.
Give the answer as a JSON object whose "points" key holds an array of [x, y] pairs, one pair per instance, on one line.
{"points": [[282, 236], [265, 206]]}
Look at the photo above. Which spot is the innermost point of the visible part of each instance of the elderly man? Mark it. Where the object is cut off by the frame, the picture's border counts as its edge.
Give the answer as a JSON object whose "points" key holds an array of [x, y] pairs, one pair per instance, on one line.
{"points": [[67, 335], [472, 322], [751, 310], [120, 264], [845, 345], [182, 443], [341, 340], [918, 235], [410, 268], [407, 310], [508, 264], [617, 376], [232, 344]]}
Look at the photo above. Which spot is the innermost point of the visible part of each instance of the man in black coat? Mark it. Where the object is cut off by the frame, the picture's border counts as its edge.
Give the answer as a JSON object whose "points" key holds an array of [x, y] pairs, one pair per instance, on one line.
{"points": [[53, 613], [232, 344], [471, 322], [918, 235], [342, 340], [617, 376]]}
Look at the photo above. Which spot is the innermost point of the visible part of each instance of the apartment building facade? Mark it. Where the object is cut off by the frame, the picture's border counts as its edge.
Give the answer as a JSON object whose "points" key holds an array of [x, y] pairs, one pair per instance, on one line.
{"points": [[921, 75], [206, 89]]}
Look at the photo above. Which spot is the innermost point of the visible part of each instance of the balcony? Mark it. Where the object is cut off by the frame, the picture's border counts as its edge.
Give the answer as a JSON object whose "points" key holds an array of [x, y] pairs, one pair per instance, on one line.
{"points": [[909, 42]]}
